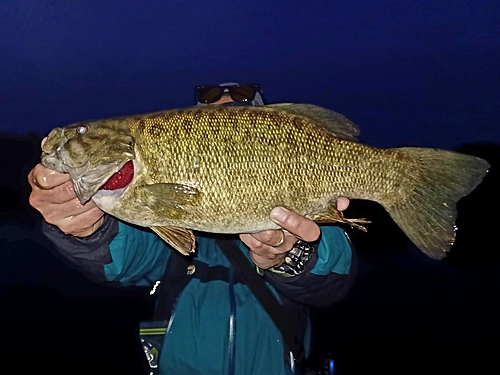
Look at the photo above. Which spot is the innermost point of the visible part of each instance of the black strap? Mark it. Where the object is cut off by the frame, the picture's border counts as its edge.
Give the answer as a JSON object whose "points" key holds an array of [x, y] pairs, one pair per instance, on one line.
{"points": [[175, 280], [257, 285], [172, 284]]}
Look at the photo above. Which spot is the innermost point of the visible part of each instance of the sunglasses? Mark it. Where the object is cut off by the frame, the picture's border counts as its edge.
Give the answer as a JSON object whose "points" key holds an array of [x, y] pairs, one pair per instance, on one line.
{"points": [[239, 93]]}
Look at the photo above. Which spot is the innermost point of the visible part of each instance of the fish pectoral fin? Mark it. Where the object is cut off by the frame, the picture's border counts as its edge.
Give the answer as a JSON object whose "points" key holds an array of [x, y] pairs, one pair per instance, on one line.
{"points": [[332, 215], [169, 198], [180, 239]]}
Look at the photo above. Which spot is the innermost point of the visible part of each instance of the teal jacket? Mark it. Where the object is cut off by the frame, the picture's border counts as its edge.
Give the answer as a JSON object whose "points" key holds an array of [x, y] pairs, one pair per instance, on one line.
{"points": [[199, 337]]}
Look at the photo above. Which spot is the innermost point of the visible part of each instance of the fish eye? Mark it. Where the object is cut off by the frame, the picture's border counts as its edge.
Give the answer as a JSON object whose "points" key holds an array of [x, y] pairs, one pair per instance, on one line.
{"points": [[82, 129]]}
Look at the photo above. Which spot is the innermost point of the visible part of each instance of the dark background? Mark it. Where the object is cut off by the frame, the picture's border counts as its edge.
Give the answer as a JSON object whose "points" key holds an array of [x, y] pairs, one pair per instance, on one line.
{"points": [[409, 73]]}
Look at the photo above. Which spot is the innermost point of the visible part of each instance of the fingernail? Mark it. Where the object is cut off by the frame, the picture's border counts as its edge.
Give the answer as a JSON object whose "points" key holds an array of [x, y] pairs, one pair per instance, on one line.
{"points": [[278, 214]]}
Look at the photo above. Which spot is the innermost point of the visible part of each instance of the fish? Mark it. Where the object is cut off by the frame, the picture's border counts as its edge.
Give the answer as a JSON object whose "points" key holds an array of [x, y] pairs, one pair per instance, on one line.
{"points": [[222, 169]]}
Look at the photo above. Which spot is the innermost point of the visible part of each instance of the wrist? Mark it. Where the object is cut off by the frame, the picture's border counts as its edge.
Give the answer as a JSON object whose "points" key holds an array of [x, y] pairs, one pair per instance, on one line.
{"points": [[296, 260], [91, 230]]}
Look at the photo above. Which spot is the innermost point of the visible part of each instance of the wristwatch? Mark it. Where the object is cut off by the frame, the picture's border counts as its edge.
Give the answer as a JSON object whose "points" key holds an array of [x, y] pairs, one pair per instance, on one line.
{"points": [[295, 261]]}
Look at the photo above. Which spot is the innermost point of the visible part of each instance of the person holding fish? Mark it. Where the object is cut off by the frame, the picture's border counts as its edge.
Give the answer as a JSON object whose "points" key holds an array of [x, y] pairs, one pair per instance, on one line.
{"points": [[215, 324], [276, 175]]}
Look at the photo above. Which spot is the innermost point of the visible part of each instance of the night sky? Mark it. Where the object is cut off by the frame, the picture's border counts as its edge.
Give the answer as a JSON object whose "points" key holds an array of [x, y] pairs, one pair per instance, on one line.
{"points": [[408, 73]]}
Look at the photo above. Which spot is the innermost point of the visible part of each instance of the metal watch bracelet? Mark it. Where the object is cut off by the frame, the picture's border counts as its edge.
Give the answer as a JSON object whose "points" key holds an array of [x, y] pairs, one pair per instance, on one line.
{"points": [[295, 261]]}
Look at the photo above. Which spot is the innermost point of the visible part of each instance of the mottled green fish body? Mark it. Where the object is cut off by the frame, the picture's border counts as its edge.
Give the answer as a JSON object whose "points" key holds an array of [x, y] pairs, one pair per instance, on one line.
{"points": [[222, 169]]}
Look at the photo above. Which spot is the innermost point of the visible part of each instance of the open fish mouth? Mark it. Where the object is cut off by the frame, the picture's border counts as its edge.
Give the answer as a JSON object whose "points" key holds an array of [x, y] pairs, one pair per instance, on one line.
{"points": [[120, 179], [104, 177], [89, 180]]}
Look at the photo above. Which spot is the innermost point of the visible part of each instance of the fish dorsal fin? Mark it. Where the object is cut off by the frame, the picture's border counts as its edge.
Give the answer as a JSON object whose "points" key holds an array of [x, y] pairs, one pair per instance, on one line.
{"points": [[181, 239], [337, 124]]}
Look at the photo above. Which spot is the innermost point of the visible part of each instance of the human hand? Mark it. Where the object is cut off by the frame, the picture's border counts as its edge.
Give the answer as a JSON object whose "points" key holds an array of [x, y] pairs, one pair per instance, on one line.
{"points": [[52, 194], [269, 248]]}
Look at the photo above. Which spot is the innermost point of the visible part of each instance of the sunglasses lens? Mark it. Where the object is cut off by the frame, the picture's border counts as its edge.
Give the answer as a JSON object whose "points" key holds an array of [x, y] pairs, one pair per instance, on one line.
{"points": [[209, 94], [243, 93]]}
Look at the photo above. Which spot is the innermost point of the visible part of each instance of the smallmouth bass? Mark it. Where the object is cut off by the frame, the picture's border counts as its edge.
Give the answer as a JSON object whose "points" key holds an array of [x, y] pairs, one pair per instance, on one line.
{"points": [[222, 169]]}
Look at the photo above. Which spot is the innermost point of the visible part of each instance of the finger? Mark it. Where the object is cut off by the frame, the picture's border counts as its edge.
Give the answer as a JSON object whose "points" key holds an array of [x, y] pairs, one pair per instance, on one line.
{"points": [[257, 246], [297, 225], [58, 195], [281, 240], [342, 203], [45, 178], [72, 208], [263, 255], [82, 224], [266, 263], [270, 237]]}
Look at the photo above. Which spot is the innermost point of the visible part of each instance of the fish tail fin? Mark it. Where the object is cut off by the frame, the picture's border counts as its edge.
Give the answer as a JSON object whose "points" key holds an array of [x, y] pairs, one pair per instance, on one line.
{"points": [[440, 179]]}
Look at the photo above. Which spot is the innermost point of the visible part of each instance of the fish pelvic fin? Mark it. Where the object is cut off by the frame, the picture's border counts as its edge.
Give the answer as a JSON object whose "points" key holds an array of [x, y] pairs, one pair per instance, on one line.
{"points": [[181, 239], [338, 125], [427, 213]]}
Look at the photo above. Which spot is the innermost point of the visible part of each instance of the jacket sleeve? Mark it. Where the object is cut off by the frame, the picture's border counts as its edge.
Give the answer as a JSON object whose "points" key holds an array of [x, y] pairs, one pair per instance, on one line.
{"points": [[117, 253], [328, 276]]}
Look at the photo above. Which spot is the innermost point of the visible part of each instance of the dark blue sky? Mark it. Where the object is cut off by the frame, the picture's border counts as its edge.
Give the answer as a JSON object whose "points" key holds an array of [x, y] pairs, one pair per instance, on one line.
{"points": [[421, 73]]}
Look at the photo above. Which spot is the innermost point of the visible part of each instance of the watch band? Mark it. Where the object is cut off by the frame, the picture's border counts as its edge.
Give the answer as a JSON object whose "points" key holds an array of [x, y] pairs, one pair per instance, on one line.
{"points": [[295, 261]]}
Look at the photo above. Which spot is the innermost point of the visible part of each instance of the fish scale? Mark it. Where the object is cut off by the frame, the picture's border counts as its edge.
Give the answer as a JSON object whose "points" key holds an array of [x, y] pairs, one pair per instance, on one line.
{"points": [[252, 161], [222, 169]]}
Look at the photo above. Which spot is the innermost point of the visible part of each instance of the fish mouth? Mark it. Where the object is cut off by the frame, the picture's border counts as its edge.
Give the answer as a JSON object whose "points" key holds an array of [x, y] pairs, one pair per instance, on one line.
{"points": [[120, 179], [87, 179], [104, 177]]}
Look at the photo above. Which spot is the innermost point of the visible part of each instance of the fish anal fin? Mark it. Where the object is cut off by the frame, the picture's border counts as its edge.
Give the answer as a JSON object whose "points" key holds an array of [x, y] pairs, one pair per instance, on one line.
{"points": [[181, 239]]}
